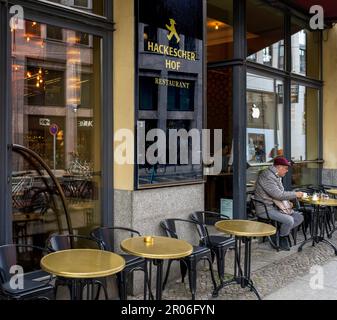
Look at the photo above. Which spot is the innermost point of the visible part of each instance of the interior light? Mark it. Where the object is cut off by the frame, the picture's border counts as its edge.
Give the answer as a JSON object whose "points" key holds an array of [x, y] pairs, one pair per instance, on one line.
{"points": [[28, 39], [216, 26]]}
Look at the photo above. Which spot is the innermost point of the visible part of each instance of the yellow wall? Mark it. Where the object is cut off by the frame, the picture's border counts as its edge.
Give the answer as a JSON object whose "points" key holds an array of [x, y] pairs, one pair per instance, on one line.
{"points": [[330, 98], [123, 81]]}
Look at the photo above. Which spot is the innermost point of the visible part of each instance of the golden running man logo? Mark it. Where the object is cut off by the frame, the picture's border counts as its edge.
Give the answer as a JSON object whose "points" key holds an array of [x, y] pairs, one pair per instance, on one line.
{"points": [[173, 31]]}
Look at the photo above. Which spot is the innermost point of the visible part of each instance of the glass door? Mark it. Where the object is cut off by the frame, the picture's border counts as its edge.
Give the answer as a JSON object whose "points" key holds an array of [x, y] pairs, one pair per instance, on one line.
{"points": [[56, 112]]}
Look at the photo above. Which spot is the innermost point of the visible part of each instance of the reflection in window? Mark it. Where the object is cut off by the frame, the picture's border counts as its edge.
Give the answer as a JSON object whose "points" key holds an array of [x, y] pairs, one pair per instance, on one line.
{"points": [[181, 98], [54, 85], [148, 93], [92, 6], [265, 114], [305, 124], [265, 34], [305, 49], [44, 87]]}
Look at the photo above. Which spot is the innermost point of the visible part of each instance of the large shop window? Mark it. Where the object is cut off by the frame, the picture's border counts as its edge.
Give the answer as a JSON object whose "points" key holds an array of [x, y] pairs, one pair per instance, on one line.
{"points": [[91, 6], [265, 34], [305, 135], [305, 50], [264, 122], [56, 83], [170, 86]]}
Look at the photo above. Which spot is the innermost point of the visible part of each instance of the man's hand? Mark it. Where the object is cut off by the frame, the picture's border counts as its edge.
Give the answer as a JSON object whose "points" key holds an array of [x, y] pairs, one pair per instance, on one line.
{"points": [[299, 194]]}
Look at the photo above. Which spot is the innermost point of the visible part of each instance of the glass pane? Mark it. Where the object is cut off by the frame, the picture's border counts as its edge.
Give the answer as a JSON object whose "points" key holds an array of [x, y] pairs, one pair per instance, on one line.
{"points": [[219, 30], [170, 82], [265, 34], [304, 123], [305, 174], [265, 118], [305, 50], [219, 187], [92, 6], [56, 107]]}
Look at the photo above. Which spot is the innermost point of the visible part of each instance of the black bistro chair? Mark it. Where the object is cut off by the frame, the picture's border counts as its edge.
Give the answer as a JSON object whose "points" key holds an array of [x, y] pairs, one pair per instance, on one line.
{"points": [[36, 283], [173, 228], [58, 242], [107, 236], [274, 240], [218, 243]]}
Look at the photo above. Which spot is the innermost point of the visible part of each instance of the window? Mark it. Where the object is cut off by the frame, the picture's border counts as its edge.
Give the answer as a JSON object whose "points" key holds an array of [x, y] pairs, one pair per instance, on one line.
{"points": [[219, 30], [56, 84], [170, 98], [265, 34], [92, 6], [305, 122], [265, 118], [54, 33], [305, 50]]}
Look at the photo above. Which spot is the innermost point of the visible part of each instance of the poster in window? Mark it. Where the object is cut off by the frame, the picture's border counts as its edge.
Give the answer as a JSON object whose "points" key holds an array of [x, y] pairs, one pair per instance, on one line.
{"points": [[256, 147]]}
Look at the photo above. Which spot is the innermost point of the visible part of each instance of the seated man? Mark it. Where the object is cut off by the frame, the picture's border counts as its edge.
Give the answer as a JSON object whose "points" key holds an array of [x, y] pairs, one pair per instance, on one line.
{"points": [[269, 187]]}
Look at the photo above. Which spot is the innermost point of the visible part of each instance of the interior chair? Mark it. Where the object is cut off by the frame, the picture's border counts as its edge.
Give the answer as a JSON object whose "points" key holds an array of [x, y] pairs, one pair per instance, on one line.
{"points": [[179, 229], [218, 243], [35, 282], [57, 242], [107, 236]]}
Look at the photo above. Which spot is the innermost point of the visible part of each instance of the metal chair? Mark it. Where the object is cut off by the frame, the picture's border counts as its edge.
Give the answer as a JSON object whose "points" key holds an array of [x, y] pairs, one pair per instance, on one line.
{"points": [[172, 228], [274, 240], [219, 244], [35, 283], [57, 242], [107, 236]]}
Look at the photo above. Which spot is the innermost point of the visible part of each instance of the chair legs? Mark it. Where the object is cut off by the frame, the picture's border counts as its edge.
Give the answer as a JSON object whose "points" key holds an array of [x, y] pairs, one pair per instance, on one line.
{"points": [[190, 265], [220, 260], [122, 282]]}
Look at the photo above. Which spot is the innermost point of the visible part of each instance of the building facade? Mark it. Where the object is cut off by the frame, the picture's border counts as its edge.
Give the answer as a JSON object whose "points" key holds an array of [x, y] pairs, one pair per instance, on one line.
{"points": [[77, 73]]}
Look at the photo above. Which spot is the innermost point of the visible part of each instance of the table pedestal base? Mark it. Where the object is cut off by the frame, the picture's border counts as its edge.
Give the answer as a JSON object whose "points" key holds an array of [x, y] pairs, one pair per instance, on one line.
{"points": [[319, 221], [240, 278]]}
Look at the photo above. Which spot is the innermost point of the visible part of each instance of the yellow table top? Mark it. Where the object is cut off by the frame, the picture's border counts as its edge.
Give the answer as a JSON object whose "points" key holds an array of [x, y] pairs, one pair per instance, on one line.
{"points": [[159, 248], [332, 191], [245, 228], [320, 202], [82, 263]]}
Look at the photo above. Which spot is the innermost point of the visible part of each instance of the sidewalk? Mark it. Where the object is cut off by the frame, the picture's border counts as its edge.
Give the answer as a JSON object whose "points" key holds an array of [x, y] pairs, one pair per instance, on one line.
{"points": [[320, 284], [276, 275]]}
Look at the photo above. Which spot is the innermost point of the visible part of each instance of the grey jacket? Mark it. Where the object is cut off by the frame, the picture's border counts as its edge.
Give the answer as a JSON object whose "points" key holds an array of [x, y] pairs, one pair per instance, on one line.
{"points": [[268, 187]]}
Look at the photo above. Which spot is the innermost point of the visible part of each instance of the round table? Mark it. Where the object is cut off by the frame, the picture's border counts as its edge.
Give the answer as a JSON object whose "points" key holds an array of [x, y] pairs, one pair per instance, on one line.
{"points": [[79, 264], [244, 231], [332, 191], [319, 223], [158, 249]]}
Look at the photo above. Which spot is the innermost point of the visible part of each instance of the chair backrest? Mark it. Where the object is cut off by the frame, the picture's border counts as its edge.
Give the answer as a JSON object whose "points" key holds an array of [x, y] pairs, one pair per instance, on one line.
{"points": [[110, 237], [207, 218], [255, 202], [184, 229], [26, 256], [57, 242]]}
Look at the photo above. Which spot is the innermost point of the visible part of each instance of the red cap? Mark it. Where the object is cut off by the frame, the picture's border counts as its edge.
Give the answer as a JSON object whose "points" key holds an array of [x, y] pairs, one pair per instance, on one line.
{"points": [[281, 161]]}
